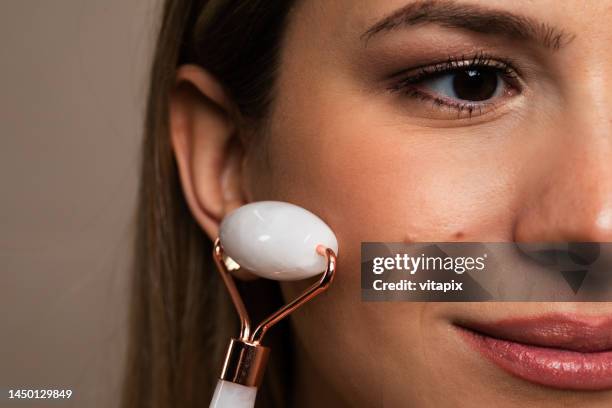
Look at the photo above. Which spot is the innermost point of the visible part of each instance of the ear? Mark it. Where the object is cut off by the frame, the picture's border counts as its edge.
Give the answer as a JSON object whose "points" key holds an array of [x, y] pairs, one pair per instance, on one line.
{"points": [[206, 145]]}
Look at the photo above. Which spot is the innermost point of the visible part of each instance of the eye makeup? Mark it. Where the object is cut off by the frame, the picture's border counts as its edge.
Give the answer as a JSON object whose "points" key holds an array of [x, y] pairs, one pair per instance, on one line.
{"points": [[469, 85]]}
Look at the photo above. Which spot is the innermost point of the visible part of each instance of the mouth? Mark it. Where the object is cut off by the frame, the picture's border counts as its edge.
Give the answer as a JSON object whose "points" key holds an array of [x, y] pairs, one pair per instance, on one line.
{"points": [[558, 351]]}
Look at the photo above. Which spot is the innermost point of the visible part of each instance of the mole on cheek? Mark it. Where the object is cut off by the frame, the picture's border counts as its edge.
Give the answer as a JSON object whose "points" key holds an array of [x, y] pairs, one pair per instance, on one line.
{"points": [[459, 235]]}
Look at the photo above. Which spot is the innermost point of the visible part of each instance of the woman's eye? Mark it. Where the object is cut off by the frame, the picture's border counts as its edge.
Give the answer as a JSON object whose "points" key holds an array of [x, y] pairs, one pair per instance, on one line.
{"points": [[467, 85], [459, 89]]}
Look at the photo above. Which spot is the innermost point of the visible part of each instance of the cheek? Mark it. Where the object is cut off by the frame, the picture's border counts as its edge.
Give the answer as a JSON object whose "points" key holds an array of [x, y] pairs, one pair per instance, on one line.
{"points": [[374, 178], [373, 181]]}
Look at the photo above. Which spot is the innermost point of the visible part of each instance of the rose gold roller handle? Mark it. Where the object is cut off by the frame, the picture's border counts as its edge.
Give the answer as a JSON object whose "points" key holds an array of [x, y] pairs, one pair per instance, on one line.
{"points": [[246, 358]]}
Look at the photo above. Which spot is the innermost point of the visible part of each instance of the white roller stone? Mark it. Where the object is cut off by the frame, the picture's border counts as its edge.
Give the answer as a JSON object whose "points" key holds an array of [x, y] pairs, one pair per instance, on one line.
{"points": [[276, 240], [231, 395]]}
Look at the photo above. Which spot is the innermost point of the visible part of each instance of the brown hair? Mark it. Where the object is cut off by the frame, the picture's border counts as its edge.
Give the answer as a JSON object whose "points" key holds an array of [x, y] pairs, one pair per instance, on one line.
{"points": [[181, 318]]}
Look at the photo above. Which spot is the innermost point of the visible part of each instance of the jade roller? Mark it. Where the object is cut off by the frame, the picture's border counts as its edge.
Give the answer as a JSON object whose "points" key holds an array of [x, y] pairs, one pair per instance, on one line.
{"points": [[273, 240]]}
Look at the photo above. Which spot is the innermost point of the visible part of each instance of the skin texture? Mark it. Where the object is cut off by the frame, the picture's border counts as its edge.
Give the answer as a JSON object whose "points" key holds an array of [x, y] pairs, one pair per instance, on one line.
{"points": [[381, 166]]}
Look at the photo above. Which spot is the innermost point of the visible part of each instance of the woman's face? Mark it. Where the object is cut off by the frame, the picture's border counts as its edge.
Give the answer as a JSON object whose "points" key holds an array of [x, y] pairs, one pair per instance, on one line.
{"points": [[377, 129]]}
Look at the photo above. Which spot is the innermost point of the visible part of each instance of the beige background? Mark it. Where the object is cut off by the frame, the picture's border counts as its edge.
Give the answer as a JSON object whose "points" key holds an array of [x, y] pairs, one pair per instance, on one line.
{"points": [[72, 82]]}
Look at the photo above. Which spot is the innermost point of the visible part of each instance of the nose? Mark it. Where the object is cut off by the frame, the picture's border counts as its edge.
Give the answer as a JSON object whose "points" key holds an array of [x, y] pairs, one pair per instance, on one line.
{"points": [[570, 193]]}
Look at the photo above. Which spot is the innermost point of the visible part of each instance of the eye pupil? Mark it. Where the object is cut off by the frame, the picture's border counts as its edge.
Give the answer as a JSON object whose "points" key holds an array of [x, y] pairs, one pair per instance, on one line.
{"points": [[475, 84]]}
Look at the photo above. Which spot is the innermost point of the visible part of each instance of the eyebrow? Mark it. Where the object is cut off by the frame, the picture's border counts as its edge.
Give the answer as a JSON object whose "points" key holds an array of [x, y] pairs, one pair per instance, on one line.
{"points": [[475, 18]]}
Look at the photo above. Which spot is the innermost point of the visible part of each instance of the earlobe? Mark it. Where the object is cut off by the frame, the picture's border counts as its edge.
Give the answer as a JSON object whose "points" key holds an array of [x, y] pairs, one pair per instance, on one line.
{"points": [[207, 149]]}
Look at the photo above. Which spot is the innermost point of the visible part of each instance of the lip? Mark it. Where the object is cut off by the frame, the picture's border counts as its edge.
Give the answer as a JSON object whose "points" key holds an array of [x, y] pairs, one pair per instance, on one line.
{"points": [[560, 351]]}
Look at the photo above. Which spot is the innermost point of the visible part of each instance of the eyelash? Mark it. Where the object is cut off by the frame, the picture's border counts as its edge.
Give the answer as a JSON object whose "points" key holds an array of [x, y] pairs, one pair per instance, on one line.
{"points": [[406, 84]]}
